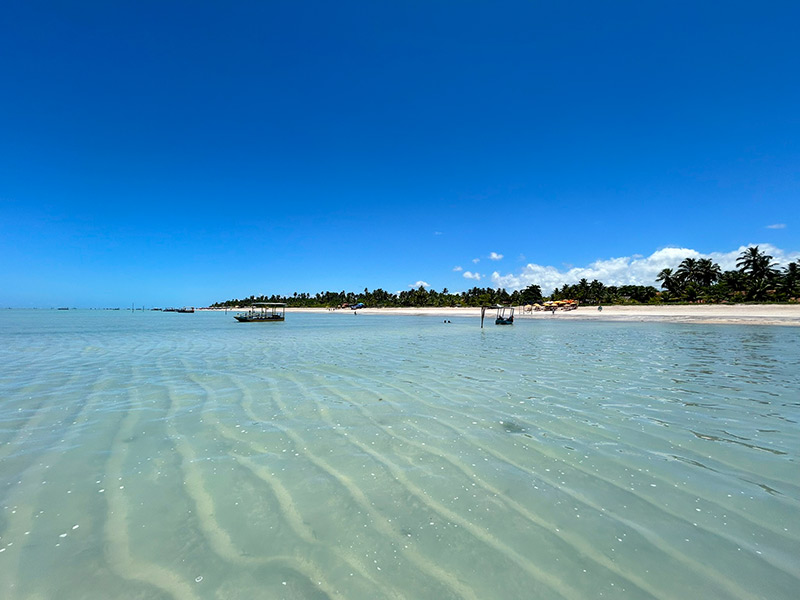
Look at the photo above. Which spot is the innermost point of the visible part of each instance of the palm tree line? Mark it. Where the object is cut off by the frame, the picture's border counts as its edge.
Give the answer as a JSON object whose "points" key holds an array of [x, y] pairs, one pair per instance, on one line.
{"points": [[411, 298], [756, 279], [694, 280]]}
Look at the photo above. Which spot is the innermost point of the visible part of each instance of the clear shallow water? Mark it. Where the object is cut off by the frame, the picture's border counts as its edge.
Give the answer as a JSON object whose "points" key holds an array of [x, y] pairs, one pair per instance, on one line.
{"points": [[161, 455]]}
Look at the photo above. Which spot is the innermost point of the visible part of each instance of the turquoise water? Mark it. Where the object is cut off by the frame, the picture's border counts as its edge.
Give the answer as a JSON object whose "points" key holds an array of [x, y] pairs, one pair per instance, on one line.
{"points": [[162, 455]]}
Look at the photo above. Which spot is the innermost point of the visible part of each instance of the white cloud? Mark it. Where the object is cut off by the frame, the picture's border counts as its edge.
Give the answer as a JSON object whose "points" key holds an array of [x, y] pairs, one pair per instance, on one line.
{"points": [[458, 269], [421, 283], [476, 260], [471, 275], [495, 256], [437, 233], [777, 226], [626, 270]]}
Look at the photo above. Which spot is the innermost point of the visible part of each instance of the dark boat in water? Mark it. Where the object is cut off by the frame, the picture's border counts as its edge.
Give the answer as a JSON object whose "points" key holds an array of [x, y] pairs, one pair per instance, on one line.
{"points": [[505, 314], [263, 312]]}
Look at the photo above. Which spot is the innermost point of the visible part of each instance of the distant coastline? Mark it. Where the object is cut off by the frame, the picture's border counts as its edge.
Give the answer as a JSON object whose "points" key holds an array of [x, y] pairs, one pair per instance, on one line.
{"points": [[694, 281], [738, 314]]}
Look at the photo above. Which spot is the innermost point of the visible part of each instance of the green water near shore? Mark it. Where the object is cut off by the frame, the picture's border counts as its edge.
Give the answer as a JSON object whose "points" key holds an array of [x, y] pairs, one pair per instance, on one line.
{"points": [[153, 455]]}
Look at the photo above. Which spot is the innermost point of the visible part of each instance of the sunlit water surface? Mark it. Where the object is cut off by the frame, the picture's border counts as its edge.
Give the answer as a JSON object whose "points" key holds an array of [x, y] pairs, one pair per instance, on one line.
{"points": [[161, 455]]}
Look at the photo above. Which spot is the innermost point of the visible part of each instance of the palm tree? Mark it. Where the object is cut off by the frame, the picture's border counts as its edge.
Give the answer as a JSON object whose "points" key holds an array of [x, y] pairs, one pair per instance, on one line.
{"points": [[582, 290], [758, 268], [669, 281], [688, 271], [790, 280], [756, 264], [691, 292], [708, 272], [758, 290], [596, 291]]}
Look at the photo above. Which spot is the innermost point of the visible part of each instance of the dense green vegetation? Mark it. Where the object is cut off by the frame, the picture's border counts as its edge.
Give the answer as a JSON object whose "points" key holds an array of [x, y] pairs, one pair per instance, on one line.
{"points": [[694, 280], [756, 280], [381, 298], [598, 293]]}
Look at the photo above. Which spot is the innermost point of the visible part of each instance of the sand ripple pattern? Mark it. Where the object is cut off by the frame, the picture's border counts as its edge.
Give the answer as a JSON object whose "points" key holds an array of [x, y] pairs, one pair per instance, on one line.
{"points": [[166, 456]]}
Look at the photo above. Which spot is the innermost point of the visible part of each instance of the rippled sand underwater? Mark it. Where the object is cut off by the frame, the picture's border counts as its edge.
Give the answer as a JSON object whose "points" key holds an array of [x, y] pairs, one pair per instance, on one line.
{"points": [[163, 455]]}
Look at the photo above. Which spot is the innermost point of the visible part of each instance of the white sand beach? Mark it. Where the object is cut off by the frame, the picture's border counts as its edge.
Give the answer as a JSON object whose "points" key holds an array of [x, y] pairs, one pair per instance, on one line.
{"points": [[755, 314]]}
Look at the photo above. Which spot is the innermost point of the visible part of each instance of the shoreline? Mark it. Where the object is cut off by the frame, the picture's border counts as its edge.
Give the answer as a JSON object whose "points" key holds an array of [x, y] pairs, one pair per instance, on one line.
{"points": [[730, 314]]}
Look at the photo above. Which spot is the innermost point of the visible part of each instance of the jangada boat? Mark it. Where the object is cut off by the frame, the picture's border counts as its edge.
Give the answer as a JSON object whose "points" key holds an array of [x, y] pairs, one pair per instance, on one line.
{"points": [[505, 314], [263, 312]]}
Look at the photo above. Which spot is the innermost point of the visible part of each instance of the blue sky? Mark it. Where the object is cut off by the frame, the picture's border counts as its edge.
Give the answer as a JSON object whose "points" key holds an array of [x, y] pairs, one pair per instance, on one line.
{"points": [[170, 153]]}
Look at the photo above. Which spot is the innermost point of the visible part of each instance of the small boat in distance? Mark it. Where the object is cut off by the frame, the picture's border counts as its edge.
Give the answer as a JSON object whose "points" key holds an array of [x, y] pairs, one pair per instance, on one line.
{"points": [[505, 314], [263, 312]]}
